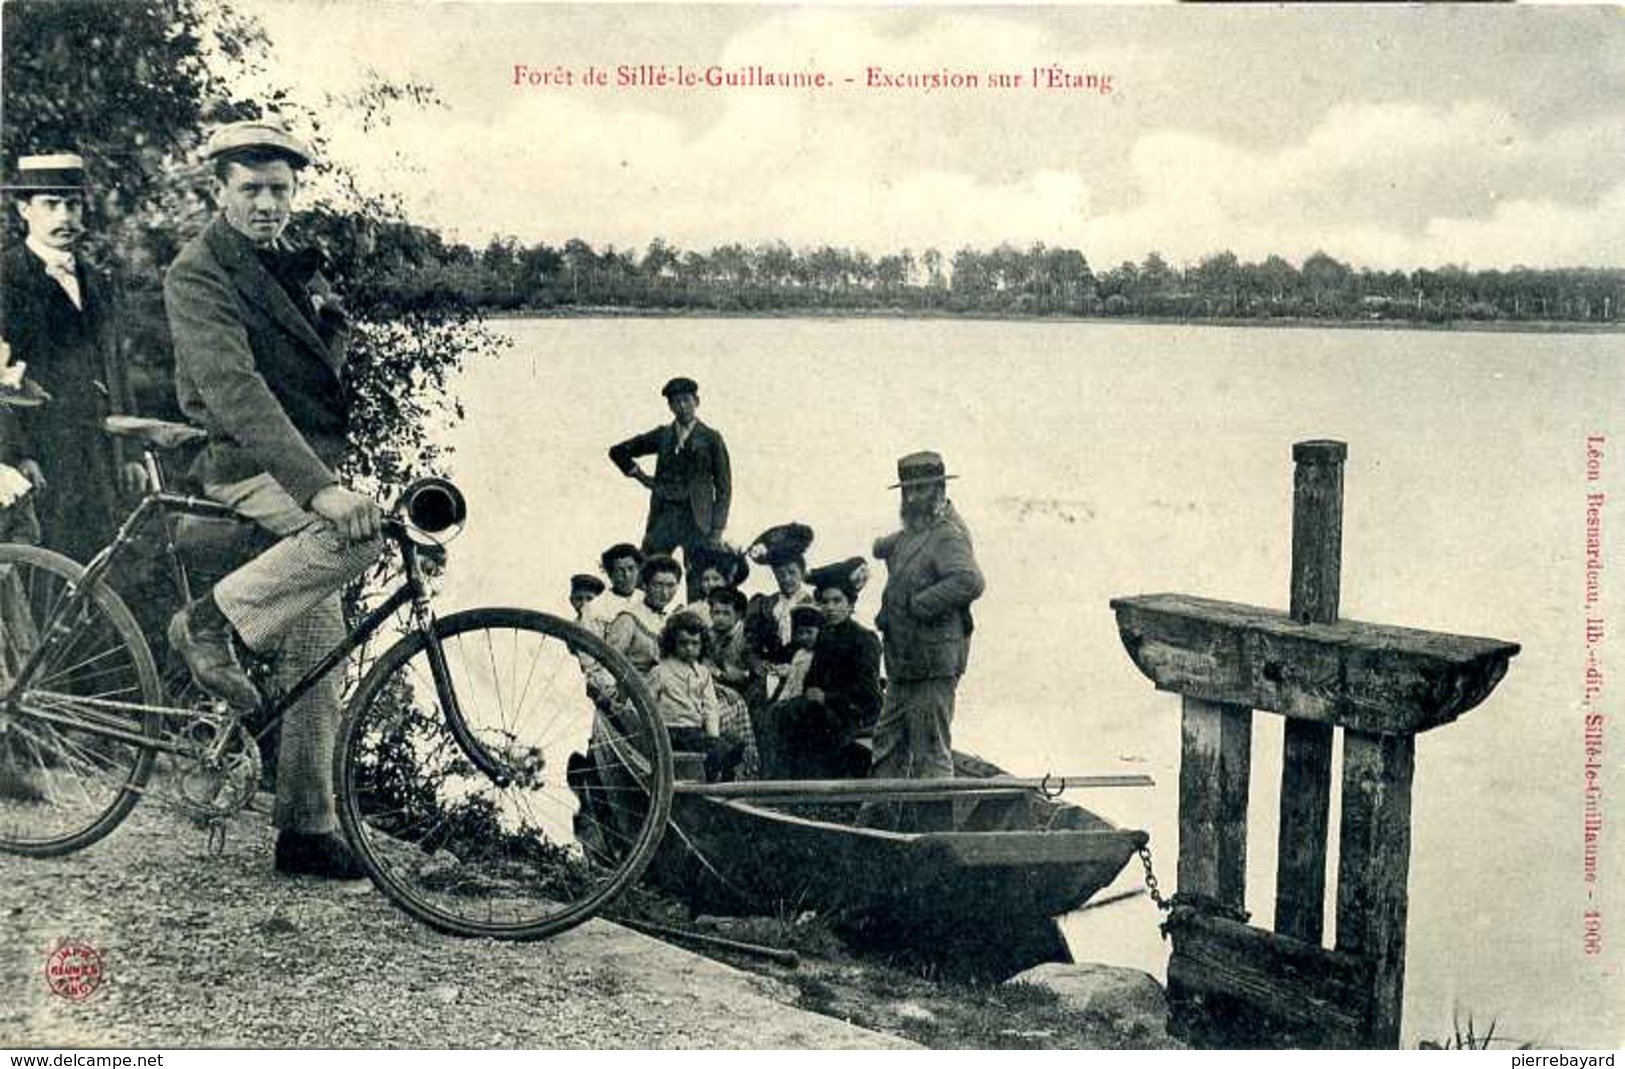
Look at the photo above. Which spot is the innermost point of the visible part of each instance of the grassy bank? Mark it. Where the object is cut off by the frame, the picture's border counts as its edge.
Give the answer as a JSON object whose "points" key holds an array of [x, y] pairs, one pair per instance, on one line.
{"points": [[910, 1000]]}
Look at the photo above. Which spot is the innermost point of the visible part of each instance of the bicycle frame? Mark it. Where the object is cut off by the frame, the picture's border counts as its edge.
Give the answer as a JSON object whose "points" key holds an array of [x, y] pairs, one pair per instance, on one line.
{"points": [[163, 505]]}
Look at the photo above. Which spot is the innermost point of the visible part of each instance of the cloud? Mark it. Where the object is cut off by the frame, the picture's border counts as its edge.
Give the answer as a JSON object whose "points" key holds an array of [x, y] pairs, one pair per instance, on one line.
{"points": [[1390, 185], [1161, 164]]}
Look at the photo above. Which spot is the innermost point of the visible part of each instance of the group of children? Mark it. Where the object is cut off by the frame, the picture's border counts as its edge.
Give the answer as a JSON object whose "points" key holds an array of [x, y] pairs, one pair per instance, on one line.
{"points": [[778, 686]]}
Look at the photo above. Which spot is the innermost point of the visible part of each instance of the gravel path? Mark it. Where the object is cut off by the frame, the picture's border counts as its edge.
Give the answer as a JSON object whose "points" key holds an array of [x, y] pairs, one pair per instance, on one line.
{"points": [[222, 952]]}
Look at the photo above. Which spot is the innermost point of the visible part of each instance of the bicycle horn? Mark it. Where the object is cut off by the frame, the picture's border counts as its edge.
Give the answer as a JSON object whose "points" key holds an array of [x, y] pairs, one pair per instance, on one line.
{"points": [[433, 507]]}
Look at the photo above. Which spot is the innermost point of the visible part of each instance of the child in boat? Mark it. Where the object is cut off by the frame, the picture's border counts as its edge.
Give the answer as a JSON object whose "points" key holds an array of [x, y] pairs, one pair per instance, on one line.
{"points": [[728, 669], [786, 694], [584, 588], [686, 696]]}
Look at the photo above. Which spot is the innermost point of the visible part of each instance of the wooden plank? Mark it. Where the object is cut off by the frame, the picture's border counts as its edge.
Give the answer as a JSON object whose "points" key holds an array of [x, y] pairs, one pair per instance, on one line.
{"points": [[1373, 867], [1274, 983], [1300, 857], [1214, 767], [849, 788], [1306, 765], [1367, 677], [790, 798]]}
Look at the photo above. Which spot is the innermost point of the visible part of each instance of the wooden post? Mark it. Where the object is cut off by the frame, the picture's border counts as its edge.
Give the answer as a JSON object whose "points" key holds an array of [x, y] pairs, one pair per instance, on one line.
{"points": [[1306, 766], [1214, 766], [1374, 866], [1382, 685]]}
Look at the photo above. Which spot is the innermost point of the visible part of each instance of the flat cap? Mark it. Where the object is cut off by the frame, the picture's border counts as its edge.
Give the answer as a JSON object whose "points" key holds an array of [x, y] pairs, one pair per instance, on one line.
{"points": [[681, 384], [267, 134]]}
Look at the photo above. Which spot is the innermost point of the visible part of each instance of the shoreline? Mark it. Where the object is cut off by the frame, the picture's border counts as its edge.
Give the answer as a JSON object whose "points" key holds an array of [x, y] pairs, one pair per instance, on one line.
{"points": [[1543, 326]]}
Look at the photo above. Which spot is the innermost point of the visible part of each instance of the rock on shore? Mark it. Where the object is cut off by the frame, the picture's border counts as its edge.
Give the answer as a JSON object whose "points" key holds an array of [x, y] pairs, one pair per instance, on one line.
{"points": [[1128, 1001]]}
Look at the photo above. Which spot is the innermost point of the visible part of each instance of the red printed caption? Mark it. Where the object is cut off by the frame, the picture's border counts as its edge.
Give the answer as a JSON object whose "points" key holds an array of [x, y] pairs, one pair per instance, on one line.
{"points": [[1591, 705], [678, 77]]}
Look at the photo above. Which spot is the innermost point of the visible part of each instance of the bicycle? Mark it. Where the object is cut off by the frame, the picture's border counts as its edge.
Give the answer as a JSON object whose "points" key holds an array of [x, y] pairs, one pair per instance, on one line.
{"points": [[482, 787]]}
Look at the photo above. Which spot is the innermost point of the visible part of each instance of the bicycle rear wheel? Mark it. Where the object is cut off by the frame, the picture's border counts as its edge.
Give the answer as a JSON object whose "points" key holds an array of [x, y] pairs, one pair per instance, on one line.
{"points": [[580, 793], [72, 756]]}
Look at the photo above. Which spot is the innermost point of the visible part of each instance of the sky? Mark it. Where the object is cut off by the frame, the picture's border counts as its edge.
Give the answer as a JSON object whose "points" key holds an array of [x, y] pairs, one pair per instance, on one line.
{"points": [[1389, 137]]}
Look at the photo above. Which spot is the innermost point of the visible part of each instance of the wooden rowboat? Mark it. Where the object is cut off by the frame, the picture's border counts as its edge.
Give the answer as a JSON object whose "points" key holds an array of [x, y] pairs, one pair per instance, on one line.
{"points": [[981, 899]]}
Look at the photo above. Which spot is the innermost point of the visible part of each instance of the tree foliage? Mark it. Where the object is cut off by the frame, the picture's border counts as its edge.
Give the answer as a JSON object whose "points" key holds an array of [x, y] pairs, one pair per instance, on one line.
{"points": [[133, 85], [1037, 281]]}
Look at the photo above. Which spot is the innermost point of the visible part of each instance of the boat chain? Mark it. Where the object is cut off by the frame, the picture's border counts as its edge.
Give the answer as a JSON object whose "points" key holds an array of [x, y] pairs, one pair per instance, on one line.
{"points": [[1183, 905], [1152, 888]]}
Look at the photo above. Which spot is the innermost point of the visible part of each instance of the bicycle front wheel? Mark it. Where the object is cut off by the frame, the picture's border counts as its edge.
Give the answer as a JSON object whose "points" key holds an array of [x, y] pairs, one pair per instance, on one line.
{"points": [[496, 797], [74, 754]]}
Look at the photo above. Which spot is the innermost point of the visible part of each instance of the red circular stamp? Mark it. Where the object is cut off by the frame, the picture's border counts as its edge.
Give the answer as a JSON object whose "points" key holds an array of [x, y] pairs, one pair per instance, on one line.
{"points": [[75, 971]]}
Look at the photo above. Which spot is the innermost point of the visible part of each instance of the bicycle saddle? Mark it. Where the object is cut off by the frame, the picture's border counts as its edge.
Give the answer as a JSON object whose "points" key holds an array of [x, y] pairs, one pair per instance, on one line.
{"points": [[160, 434]]}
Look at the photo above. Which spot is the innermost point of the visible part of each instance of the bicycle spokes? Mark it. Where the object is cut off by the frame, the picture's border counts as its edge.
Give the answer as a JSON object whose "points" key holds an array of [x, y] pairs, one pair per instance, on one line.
{"points": [[508, 818], [76, 686]]}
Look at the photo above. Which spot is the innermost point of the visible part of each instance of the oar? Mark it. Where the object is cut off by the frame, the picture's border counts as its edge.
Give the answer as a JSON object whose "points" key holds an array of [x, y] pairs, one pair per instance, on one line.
{"points": [[901, 788], [1111, 900], [784, 957]]}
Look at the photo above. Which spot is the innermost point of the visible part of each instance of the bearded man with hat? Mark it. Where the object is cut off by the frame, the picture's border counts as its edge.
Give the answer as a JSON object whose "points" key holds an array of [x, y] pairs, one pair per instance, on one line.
{"points": [[58, 319], [259, 362], [925, 622], [692, 486]]}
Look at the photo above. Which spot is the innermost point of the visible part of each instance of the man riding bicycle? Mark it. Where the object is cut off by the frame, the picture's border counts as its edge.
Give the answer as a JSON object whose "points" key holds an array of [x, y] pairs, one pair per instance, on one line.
{"points": [[259, 362]]}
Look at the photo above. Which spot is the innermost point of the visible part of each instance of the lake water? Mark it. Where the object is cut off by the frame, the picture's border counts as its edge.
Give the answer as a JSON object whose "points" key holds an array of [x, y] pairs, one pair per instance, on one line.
{"points": [[1099, 460]]}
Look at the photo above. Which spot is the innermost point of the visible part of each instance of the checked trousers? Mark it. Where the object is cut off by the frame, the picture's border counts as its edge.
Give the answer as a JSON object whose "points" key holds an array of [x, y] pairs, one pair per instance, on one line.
{"points": [[284, 604]]}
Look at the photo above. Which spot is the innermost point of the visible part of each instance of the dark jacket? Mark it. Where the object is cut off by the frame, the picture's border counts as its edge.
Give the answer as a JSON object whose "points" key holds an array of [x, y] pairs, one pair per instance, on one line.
{"points": [[763, 647], [74, 355], [931, 580], [263, 375], [846, 667], [698, 474]]}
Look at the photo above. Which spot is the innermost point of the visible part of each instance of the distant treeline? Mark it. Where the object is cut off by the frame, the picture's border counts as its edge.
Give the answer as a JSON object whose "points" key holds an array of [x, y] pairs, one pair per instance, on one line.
{"points": [[1037, 281]]}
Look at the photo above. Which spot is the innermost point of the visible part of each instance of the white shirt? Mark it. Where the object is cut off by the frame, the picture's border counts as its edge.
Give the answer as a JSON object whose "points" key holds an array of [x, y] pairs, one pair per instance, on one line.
{"points": [[601, 611], [61, 266]]}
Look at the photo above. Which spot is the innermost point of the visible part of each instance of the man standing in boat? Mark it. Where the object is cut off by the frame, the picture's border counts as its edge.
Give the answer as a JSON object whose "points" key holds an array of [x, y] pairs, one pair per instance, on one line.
{"points": [[692, 485], [925, 624]]}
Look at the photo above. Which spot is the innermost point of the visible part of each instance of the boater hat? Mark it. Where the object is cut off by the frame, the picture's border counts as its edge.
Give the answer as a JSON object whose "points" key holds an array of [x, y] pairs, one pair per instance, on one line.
{"points": [[61, 172], [265, 134], [917, 468], [806, 616]]}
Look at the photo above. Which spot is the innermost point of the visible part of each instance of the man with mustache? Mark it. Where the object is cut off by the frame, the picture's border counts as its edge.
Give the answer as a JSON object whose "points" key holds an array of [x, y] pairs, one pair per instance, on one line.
{"points": [[58, 319], [259, 362], [925, 621]]}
